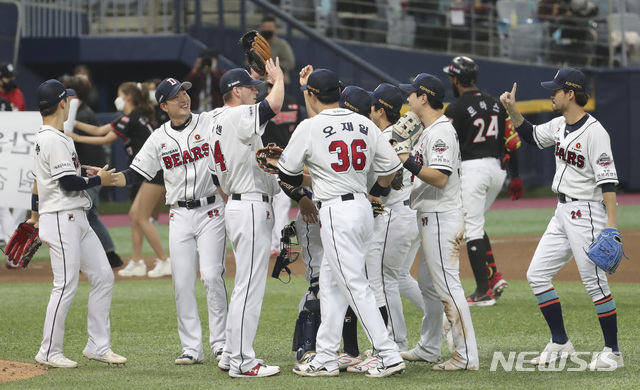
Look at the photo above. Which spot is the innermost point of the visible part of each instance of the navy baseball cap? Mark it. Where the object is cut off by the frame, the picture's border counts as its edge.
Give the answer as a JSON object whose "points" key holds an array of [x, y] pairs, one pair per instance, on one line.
{"points": [[356, 99], [569, 78], [426, 83], [51, 92], [237, 77], [323, 82], [388, 96], [168, 88], [6, 70]]}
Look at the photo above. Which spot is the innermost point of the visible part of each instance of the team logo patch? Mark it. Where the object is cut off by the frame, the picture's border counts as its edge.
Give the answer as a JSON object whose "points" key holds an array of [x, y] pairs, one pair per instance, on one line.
{"points": [[268, 215], [198, 137], [163, 146], [71, 217], [440, 146], [578, 145], [604, 160], [125, 119], [171, 217]]}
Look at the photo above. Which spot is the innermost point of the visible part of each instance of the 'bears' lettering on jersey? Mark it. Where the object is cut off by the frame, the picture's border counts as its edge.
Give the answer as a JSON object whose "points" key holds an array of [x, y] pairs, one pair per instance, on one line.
{"points": [[188, 156], [569, 157]]}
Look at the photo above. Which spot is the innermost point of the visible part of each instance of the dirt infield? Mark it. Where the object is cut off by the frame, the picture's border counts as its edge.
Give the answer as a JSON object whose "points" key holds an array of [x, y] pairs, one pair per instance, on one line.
{"points": [[15, 371]]}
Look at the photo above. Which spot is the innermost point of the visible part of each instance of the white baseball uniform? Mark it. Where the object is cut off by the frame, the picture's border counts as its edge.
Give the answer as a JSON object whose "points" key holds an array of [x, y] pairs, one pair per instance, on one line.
{"points": [[73, 247], [584, 161], [235, 135], [339, 147], [441, 224], [196, 227], [311, 251]]}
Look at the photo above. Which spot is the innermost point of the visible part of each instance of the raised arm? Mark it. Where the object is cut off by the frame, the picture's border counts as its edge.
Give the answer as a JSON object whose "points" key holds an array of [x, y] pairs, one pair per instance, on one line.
{"points": [[508, 100]]}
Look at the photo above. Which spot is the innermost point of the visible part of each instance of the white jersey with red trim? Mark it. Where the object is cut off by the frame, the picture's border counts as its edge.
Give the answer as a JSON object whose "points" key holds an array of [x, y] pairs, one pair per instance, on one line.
{"points": [[438, 148], [184, 159], [584, 160], [235, 137], [56, 157], [339, 147]]}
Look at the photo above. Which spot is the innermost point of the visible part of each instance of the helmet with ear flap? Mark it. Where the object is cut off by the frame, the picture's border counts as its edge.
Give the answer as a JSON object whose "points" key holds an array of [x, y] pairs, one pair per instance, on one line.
{"points": [[464, 69]]}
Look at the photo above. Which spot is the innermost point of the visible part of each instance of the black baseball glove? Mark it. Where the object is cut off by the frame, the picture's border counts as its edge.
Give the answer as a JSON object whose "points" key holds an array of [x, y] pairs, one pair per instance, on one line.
{"points": [[257, 50]]}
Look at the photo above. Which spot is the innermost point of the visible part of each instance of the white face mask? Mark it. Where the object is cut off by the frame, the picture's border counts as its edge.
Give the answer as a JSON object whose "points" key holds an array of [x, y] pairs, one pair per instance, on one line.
{"points": [[152, 97], [119, 103]]}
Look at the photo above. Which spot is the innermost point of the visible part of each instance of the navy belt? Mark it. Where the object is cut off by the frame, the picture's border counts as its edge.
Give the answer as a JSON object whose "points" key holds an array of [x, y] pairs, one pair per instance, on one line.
{"points": [[344, 198], [265, 198], [562, 198], [195, 203]]}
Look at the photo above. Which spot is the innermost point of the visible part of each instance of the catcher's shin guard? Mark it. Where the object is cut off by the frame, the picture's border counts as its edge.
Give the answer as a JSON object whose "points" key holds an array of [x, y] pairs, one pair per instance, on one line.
{"points": [[307, 324]]}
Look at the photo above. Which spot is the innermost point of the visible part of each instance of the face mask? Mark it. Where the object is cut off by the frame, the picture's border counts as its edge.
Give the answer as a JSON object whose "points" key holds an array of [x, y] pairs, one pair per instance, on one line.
{"points": [[152, 97], [267, 34], [119, 103], [9, 86]]}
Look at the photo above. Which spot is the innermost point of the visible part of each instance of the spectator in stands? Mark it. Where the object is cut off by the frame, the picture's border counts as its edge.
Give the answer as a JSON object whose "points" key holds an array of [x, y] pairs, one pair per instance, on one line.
{"points": [[159, 116], [83, 72], [205, 82], [279, 47], [9, 89], [134, 128], [93, 155]]}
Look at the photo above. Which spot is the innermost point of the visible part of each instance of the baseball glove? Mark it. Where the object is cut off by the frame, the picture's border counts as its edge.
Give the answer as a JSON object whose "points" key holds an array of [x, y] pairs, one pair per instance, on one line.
{"points": [[406, 132], [606, 250], [257, 50], [271, 151], [377, 207], [397, 182], [22, 245], [511, 138]]}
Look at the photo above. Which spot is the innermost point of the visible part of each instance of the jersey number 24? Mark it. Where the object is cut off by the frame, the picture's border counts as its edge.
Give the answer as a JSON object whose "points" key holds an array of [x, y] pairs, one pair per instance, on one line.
{"points": [[491, 130]]}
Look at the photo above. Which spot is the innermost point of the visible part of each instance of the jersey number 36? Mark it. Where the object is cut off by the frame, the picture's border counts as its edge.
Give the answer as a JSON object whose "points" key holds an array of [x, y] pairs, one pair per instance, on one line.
{"points": [[349, 155]]}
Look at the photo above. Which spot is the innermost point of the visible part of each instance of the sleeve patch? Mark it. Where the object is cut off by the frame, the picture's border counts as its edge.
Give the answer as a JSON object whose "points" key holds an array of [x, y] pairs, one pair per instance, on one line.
{"points": [[604, 160], [440, 146]]}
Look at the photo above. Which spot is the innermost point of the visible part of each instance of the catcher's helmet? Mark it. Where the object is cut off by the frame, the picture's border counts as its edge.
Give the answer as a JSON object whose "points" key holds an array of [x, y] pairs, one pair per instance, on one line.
{"points": [[464, 69]]}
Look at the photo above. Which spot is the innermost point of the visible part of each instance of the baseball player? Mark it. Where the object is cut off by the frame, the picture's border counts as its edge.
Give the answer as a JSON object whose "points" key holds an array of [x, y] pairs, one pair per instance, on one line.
{"points": [[585, 182], [435, 195], [398, 232], [179, 148], [58, 207], [480, 121], [339, 147], [235, 136]]}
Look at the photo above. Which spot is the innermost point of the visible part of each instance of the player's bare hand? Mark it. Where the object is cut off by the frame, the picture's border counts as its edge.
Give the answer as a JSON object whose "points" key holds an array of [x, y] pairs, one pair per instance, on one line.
{"points": [[308, 210], [403, 157], [274, 72], [508, 99], [304, 74], [91, 170], [33, 222], [108, 177]]}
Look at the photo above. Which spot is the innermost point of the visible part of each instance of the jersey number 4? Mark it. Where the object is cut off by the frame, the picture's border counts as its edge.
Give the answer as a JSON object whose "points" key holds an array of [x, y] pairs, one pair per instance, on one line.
{"points": [[356, 158], [491, 130], [218, 157]]}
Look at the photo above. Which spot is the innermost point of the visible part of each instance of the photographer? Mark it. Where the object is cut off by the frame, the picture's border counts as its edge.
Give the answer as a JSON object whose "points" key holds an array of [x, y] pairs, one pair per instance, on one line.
{"points": [[205, 79]]}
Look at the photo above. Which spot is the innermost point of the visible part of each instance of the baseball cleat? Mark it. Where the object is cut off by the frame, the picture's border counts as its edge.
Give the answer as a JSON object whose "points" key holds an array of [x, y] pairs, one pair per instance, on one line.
{"points": [[114, 260], [185, 360], [134, 268], [553, 352], [381, 371], [313, 369], [224, 364], [450, 365], [345, 360], [497, 285], [162, 268], [412, 356], [259, 371], [367, 364], [607, 360], [307, 357], [58, 362], [218, 354], [108, 357], [480, 299]]}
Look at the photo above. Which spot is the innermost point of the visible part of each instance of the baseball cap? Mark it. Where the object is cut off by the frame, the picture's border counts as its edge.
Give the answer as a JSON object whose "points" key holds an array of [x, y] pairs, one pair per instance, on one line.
{"points": [[570, 78], [323, 82], [388, 96], [51, 92], [6, 70], [356, 99], [426, 83], [237, 77], [168, 88]]}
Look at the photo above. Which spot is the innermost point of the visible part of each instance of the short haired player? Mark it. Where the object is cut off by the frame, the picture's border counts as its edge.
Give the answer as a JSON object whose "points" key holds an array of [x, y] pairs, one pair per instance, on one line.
{"points": [[585, 182]]}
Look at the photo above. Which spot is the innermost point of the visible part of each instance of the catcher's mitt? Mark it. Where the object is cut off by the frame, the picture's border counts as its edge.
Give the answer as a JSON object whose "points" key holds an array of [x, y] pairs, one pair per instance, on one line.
{"points": [[406, 133], [271, 151], [606, 250], [378, 208], [257, 50], [22, 245]]}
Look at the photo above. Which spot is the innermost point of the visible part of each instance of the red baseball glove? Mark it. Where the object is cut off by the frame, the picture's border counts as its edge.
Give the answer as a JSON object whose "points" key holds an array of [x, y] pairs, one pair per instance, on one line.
{"points": [[22, 245]]}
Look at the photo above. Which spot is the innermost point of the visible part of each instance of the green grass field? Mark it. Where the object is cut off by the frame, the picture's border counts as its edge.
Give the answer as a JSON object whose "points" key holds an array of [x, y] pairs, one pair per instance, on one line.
{"points": [[144, 329]]}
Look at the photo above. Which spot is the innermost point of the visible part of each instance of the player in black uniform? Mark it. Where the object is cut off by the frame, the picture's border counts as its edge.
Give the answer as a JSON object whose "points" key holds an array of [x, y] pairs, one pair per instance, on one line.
{"points": [[480, 121], [134, 128]]}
